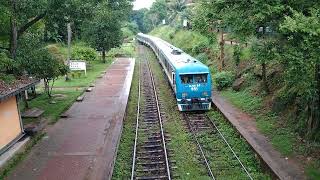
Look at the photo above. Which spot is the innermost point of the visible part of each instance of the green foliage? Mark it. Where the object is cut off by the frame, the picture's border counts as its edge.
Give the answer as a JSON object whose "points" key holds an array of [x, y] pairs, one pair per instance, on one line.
{"points": [[223, 79], [138, 17], [281, 32], [203, 57], [236, 54], [43, 65], [126, 50], [103, 31], [84, 53], [129, 30], [200, 47], [7, 78], [189, 41], [6, 63]]}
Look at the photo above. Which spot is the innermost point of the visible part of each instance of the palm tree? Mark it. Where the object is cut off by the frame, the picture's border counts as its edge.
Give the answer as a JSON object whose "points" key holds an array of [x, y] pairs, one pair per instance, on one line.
{"points": [[176, 9]]}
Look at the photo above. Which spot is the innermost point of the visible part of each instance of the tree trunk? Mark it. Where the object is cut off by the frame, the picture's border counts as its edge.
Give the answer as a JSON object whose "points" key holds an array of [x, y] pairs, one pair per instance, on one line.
{"points": [[264, 78], [103, 55], [317, 100], [13, 39], [318, 83], [14, 31]]}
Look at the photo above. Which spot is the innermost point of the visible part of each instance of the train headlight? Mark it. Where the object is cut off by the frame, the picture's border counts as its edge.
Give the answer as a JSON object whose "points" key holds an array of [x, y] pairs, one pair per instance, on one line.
{"points": [[184, 95], [205, 93]]}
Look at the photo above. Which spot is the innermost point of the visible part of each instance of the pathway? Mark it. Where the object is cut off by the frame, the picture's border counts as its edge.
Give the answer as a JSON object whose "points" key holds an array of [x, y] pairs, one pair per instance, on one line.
{"points": [[83, 145]]}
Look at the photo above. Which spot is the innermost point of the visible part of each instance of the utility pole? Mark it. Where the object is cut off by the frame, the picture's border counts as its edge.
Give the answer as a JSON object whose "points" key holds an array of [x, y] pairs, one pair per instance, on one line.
{"points": [[69, 47], [69, 43]]}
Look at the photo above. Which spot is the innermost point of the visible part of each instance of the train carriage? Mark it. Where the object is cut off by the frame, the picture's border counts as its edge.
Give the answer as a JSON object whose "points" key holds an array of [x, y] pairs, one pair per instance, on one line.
{"points": [[188, 77]]}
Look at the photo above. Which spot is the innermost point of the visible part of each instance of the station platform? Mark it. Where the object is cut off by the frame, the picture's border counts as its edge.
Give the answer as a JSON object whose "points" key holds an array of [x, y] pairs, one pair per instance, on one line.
{"points": [[282, 168], [83, 145]]}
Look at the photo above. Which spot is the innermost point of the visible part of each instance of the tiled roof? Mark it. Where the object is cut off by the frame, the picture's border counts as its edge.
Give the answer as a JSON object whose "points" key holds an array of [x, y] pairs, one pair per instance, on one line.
{"points": [[14, 88]]}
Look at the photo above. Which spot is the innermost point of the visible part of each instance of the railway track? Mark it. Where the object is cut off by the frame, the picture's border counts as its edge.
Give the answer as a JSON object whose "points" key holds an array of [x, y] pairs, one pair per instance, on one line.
{"points": [[219, 158], [150, 156]]}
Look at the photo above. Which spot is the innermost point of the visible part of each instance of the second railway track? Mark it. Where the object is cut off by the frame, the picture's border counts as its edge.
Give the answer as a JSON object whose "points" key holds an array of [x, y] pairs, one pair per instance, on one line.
{"points": [[219, 157], [150, 156]]}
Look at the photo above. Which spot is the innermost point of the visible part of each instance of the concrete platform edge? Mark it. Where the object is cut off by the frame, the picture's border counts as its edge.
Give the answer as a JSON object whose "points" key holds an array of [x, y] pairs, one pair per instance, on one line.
{"points": [[12, 151], [124, 116]]}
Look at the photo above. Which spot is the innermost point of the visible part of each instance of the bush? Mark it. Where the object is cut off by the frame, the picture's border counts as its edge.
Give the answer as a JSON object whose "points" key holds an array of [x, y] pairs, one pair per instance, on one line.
{"points": [[84, 53], [6, 64], [236, 54], [7, 78], [203, 57], [223, 79], [126, 50], [200, 48]]}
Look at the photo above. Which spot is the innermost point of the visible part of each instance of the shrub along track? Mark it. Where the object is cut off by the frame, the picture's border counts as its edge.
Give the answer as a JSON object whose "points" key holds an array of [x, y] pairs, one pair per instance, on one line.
{"points": [[150, 157]]}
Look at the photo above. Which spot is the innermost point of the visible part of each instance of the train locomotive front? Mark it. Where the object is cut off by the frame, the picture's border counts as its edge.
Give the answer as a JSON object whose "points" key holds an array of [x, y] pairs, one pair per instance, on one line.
{"points": [[193, 87]]}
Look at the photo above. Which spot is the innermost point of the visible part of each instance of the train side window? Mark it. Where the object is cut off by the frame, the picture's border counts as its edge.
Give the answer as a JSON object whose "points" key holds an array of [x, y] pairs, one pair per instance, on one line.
{"points": [[186, 79], [200, 78], [174, 78]]}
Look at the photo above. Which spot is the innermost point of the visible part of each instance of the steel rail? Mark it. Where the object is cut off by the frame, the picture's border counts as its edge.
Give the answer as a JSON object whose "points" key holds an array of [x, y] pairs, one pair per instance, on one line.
{"points": [[137, 125], [200, 148], [235, 155], [160, 122]]}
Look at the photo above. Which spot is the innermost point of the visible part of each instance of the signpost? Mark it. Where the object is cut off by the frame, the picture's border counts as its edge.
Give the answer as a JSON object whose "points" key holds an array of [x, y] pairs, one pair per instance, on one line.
{"points": [[76, 65]]}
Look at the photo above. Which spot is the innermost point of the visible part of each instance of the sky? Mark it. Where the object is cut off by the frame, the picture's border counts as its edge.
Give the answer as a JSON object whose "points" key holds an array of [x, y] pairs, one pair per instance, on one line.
{"points": [[139, 4]]}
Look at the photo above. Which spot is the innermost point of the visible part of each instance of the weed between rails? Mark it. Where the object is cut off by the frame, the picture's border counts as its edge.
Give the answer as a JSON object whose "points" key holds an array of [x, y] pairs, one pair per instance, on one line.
{"points": [[239, 145]]}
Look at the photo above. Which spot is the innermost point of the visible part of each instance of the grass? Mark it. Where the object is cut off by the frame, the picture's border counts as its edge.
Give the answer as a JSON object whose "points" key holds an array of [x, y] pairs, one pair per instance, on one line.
{"points": [[282, 138], [185, 151], [53, 111], [122, 168], [83, 81]]}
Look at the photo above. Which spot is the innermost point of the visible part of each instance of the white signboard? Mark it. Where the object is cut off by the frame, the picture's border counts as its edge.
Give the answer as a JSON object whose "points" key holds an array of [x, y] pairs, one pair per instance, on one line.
{"points": [[163, 21], [185, 23], [78, 66]]}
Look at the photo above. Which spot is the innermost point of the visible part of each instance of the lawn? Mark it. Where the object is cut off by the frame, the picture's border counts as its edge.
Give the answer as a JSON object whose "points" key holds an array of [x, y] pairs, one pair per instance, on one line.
{"points": [[62, 101], [96, 68]]}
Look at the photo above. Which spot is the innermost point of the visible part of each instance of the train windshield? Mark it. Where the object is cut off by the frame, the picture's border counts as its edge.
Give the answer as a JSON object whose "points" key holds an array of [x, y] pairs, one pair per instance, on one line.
{"points": [[186, 79], [193, 78], [200, 78]]}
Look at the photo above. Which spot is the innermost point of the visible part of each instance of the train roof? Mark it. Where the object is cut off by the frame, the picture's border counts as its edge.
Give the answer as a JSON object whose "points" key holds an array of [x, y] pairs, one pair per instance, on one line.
{"points": [[181, 61]]}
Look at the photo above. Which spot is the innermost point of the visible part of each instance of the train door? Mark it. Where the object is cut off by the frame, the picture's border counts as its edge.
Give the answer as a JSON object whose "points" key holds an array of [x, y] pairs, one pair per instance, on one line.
{"points": [[174, 81]]}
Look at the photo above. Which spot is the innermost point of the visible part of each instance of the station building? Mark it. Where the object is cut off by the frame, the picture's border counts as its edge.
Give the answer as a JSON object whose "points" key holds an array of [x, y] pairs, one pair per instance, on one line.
{"points": [[11, 126]]}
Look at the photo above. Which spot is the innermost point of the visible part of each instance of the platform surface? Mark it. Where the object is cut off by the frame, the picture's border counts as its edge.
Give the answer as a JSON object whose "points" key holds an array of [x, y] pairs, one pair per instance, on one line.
{"points": [[283, 168], [83, 145]]}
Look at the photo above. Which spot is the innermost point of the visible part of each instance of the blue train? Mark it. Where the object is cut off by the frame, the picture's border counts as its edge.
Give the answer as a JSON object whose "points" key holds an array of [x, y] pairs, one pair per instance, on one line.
{"points": [[188, 77]]}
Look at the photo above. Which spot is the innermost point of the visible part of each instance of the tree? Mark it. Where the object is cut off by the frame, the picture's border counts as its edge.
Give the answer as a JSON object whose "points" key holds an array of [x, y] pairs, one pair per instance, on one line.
{"points": [[176, 9], [44, 65], [103, 31], [301, 34], [22, 15], [138, 16], [247, 19]]}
